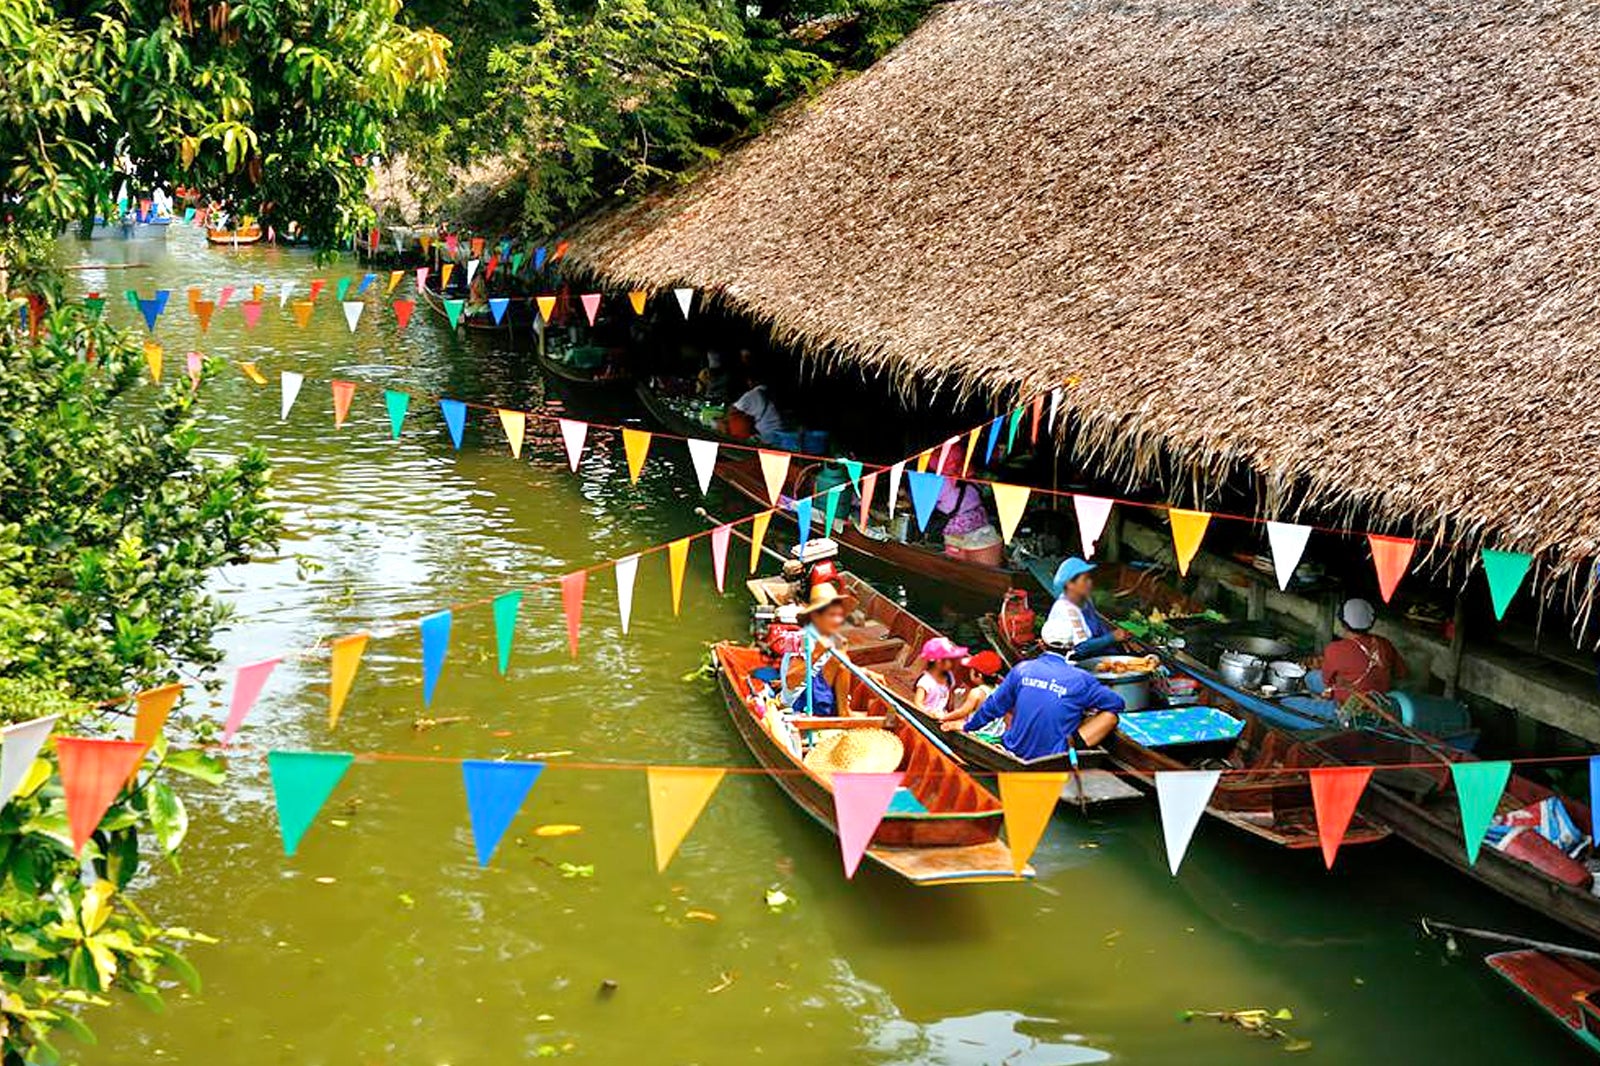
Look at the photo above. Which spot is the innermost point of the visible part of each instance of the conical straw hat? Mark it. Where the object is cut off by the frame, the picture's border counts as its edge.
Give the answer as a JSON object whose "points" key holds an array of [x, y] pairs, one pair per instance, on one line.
{"points": [[856, 751]]}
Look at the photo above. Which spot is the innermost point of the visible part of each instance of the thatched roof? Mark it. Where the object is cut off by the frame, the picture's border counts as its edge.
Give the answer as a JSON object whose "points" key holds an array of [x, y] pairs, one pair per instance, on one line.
{"points": [[1355, 251]]}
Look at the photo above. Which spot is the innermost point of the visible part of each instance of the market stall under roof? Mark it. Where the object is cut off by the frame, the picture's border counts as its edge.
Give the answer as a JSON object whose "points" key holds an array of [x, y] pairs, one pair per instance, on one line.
{"points": [[1353, 250]]}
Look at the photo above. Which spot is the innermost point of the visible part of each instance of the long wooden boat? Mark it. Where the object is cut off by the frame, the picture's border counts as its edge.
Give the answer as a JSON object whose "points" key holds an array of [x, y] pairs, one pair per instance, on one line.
{"points": [[477, 319], [948, 831], [1565, 988], [608, 379], [234, 238]]}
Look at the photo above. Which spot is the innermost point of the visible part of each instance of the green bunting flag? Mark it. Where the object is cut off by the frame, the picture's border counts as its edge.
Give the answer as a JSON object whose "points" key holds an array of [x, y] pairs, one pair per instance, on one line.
{"points": [[853, 468], [302, 781], [342, 288], [516, 262], [397, 403], [1011, 433], [1505, 571], [1478, 789], [830, 509], [506, 606], [94, 305], [452, 311]]}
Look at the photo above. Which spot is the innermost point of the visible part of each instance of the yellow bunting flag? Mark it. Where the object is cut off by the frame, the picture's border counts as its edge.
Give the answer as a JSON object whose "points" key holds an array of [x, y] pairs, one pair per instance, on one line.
{"points": [[346, 659], [444, 276], [154, 705], [1009, 502], [302, 312], [775, 468], [547, 307], [677, 796], [1188, 527], [1029, 800], [923, 460], [515, 423], [256, 291], [152, 358], [636, 443], [637, 298], [677, 560], [252, 373], [972, 446], [394, 279], [758, 533]]}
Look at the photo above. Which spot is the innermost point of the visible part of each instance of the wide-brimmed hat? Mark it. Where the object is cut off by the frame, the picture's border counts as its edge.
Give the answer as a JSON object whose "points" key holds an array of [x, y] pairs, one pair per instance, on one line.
{"points": [[943, 648], [824, 594], [1070, 567], [856, 751]]}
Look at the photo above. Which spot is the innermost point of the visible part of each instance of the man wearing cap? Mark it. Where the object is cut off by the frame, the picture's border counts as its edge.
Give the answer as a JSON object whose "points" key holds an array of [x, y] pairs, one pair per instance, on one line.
{"points": [[1050, 701], [1360, 661], [1073, 619]]}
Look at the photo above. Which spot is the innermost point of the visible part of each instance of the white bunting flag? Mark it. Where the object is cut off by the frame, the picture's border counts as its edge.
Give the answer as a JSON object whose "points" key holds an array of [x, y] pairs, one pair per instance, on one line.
{"points": [[573, 435], [291, 389], [1055, 407], [352, 312], [19, 746], [1288, 543], [1182, 796], [284, 293], [704, 454], [627, 570], [896, 472], [1092, 514], [685, 299], [472, 268]]}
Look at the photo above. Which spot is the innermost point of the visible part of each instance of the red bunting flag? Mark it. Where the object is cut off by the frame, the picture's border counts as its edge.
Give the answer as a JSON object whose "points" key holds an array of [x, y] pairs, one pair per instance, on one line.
{"points": [[316, 288], [1038, 410], [92, 773], [402, 312], [561, 250], [488, 268], [572, 586], [452, 245], [342, 393], [1390, 557], [1335, 791]]}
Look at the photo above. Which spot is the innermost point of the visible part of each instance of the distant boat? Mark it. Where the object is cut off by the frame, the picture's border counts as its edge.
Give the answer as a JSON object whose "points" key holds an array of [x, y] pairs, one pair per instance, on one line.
{"points": [[152, 228], [246, 234], [1565, 988]]}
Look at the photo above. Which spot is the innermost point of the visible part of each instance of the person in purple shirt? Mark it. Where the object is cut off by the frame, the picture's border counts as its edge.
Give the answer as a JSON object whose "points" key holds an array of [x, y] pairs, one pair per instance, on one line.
{"points": [[1049, 700]]}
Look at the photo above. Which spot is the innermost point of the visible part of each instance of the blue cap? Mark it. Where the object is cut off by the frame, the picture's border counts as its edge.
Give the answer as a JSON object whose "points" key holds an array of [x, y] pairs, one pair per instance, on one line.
{"points": [[1070, 568]]}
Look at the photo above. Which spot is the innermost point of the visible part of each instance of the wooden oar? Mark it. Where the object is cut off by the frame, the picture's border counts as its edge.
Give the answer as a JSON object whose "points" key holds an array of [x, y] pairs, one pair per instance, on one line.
{"points": [[1430, 926]]}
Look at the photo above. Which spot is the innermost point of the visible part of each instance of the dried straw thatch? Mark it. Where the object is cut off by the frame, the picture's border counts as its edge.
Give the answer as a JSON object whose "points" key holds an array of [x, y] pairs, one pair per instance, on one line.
{"points": [[1354, 252]]}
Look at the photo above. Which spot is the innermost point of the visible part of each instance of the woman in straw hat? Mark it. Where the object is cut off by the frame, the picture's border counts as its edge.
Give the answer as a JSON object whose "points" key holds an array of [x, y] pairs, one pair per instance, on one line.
{"points": [[815, 682]]}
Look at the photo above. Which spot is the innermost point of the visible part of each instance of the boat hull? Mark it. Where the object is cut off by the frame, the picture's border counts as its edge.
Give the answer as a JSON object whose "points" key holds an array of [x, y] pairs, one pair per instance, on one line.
{"points": [[1561, 986]]}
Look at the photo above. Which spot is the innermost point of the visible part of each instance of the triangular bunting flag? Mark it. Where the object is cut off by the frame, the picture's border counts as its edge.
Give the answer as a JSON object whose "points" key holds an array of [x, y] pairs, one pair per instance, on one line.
{"points": [[291, 389], [636, 445], [677, 561], [775, 470], [1478, 789], [394, 280], [422, 278], [547, 307], [1029, 801], [516, 262], [352, 312], [1009, 503], [896, 473], [472, 270], [302, 312], [539, 256], [455, 419], [398, 403], [19, 746], [1092, 513], [572, 586], [252, 313], [859, 804], [491, 266], [203, 310], [1288, 544], [572, 435], [852, 467], [92, 773], [1011, 430], [284, 292], [1390, 557], [1505, 571], [452, 310], [627, 569], [435, 645], [497, 308], [994, 438], [1036, 409], [972, 446], [402, 312], [636, 299], [346, 660], [869, 485], [302, 781], [677, 796], [153, 708], [495, 793], [247, 685], [194, 364], [802, 518], [591, 305], [343, 391], [341, 289], [1188, 528], [152, 308], [830, 509], [152, 359], [506, 606], [444, 276], [252, 373], [925, 490], [719, 552], [515, 424], [685, 300], [1335, 791], [703, 453], [1594, 798], [1182, 796], [758, 533]]}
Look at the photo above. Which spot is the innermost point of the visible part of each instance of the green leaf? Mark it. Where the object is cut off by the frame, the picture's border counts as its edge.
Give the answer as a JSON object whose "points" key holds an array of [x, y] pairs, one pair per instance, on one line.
{"points": [[183, 969], [198, 764], [169, 819]]}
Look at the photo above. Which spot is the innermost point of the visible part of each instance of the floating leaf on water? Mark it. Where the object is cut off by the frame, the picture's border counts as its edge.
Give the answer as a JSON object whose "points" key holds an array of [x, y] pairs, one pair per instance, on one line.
{"points": [[406, 900], [325, 880], [726, 981], [572, 869], [1297, 1045], [778, 900], [339, 823], [700, 916], [557, 830], [1283, 1014]]}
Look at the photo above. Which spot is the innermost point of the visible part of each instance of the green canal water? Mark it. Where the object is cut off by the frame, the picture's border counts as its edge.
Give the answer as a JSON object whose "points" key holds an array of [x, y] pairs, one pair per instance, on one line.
{"points": [[383, 942]]}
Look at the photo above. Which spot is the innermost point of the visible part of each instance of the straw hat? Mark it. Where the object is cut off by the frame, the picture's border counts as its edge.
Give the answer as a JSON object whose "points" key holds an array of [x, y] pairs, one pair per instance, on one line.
{"points": [[824, 594], [856, 751]]}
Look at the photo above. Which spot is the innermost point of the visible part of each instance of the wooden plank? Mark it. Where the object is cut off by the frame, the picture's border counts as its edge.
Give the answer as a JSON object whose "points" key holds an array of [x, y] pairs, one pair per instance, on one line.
{"points": [[975, 863], [1098, 786]]}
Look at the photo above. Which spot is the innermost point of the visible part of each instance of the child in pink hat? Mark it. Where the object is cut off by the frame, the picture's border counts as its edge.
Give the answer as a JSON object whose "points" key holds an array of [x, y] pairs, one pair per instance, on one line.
{"points": [[937, 680]]}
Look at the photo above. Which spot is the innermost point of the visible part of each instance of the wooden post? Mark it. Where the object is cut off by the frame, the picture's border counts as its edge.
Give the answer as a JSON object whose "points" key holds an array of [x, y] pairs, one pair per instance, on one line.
{"points": [[1255, 600], [1109, 546], [1458, 647]]}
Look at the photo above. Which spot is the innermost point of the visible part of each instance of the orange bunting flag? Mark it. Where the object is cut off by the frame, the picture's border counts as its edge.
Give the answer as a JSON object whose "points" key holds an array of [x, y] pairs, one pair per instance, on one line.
{"points": [[1009, 502], [1188, 527], [515, 423], [302, 312], [1029, 800], [869, 485], [547, 307], [252, 373], [677, 796], [775, 468], [1038, 410], [342, 392], [677, 561], [92, 773], [637, 298], [572, 586], [152, 359], [154, 706], [202, 311], [758, 533], [1390, 557], [636, 444], [444, 276], [1335, 791], [193, 293], [347, 653]]}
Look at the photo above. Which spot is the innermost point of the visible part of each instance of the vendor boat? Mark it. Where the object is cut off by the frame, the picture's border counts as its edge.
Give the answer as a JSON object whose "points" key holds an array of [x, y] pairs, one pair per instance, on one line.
{"points": [[249, 233], [1565, 988], [942, 828], [587, 367]]}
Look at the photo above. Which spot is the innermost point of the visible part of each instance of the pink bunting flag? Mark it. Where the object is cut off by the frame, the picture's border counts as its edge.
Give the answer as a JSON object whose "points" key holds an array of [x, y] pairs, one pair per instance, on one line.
{"points": [[591, 305], [247, 685], [194, 363], [252, 313], [572, 435], [572, 586], [869, 484], [719, 552], [859, 804], [1390, 557], [225, 295], [343, 391], [422, 278]]}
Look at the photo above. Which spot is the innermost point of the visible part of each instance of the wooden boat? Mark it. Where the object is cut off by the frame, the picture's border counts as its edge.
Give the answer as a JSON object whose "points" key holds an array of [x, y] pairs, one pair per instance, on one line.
{"points": [[248, 234], [607, 378], [948, 834], [1565, 988]]}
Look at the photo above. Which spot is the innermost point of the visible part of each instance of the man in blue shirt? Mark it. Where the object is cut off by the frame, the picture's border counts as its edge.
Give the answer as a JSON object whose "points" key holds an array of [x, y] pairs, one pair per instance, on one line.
{"points": [[1049, 701]]}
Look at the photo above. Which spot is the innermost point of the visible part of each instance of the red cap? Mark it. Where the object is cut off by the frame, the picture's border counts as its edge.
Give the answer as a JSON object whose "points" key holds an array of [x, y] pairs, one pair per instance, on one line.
{"points": [[985, 662]]}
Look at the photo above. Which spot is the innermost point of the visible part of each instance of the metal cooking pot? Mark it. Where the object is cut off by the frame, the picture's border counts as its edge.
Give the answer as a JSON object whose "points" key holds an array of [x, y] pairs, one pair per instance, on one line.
{"points": [[1286, 677], [1264, 649], [1134, 688], [1241, 669]]}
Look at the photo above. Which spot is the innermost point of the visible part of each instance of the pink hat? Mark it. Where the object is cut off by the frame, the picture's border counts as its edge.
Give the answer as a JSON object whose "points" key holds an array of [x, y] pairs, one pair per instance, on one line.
{"points": [[942, 648]]}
